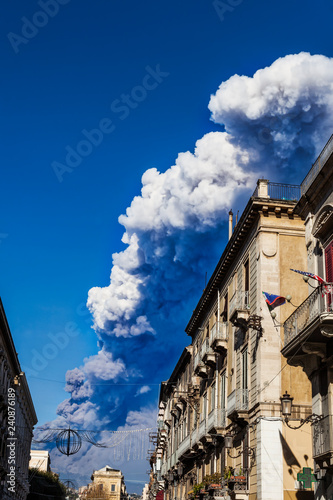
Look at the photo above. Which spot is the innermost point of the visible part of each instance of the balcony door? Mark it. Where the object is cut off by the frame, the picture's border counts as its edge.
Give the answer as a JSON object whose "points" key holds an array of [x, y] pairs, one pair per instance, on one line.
{"points": [[247, 281], [329, 273]]}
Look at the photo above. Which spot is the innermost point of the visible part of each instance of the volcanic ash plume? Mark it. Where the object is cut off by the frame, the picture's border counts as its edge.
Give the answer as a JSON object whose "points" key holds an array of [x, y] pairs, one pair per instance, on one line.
{"points": [[281, 117]]}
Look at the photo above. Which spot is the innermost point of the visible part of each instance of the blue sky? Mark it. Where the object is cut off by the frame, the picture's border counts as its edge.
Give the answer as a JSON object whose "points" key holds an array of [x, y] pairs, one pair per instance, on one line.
{"points": [[57, 238]]}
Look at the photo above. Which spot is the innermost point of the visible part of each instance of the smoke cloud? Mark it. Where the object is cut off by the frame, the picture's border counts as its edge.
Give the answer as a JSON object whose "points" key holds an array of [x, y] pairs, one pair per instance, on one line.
{"points": [[275, 123], [283, 114]]}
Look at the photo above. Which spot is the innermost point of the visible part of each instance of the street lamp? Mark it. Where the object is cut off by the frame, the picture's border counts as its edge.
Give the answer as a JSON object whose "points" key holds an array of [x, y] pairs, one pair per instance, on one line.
{"points": [[180, 469], [228, 440], [228, 443], [286, 404]]}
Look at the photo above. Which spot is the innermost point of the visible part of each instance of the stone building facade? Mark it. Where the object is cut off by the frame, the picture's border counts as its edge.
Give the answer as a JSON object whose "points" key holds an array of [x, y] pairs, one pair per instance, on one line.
{"points": [[220, 411], [308, 338], [17, 419]]}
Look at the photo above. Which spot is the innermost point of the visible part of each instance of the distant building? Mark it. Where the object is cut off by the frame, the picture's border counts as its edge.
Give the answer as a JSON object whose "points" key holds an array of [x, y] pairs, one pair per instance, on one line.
{"points": [[17, 419], [145, 492], [82, 491], [107, 483], [40, 459]]}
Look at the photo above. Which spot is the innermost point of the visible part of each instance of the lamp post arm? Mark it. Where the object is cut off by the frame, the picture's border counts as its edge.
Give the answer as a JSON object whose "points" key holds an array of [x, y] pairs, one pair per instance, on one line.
{"points": [[311, 419]]}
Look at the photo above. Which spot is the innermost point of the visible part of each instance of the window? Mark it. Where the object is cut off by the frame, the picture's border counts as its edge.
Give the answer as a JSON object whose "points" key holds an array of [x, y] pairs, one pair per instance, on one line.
{"points": [[224, 314], [245, 452], [223, 381], [244, 369], [244, 378], [329, 272], [247, 276], [190, 420], [247, 281], [212, 397], [329, 262], [113, 487], [212, 464], [204, 406]]}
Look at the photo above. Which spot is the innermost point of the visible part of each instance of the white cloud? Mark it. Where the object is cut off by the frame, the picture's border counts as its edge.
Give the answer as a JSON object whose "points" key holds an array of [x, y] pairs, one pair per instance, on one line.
{"points": [[292, 99], [103, 366], [143, 390]]}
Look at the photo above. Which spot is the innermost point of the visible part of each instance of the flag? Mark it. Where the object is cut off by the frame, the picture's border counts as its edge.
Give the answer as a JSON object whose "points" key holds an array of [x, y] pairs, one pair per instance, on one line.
{"points": [[273, 300], [310, 275]]}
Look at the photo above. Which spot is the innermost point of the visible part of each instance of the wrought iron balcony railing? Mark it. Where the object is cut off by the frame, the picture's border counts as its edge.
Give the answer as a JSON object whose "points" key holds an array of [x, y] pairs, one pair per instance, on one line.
{"points": [[174, 459], [320, 301], [239, 301], [219, 331], [321, 437], [196, 360], [202, 429], [276, 191], [318, 165], [216, 419], [205, 348], [184, 446], [238, 400]]}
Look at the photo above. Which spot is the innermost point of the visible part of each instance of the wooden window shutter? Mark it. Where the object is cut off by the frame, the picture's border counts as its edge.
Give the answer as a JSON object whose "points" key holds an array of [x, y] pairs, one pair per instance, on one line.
{"points": [[329, 262]]}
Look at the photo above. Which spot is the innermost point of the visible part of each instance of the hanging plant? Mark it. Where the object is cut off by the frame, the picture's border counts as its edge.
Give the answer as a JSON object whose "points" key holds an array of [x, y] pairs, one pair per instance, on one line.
{"points": [[228, 472], [197, 488]]}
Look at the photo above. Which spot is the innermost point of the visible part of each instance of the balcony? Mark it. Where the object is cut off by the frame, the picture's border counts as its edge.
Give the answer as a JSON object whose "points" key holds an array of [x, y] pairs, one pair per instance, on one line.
{"points": [[238, 404], [277, 191], [310, 324], [318, 165], [207, 354], [218, 337], [322, 442], [216, 419], [174, 459], [239, 306], [200, 367], [184, 446], [202, 430]]}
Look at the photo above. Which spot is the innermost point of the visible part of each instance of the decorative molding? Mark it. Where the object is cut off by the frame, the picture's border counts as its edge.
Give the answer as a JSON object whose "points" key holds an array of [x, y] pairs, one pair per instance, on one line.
{"points": [[327, 331], [323, 220], [308, 362], [315, 348]]}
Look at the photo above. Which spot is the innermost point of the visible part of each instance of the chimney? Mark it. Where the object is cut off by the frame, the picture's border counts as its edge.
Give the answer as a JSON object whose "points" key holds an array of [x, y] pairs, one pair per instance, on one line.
{"points": [[262, 188], [230, 224]]}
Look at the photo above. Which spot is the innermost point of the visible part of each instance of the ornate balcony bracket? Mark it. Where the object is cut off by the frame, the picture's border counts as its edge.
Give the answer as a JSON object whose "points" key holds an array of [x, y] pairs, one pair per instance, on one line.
{"points": [[314, 354], [191, 398], [326, 324], [316, 348], [309, 363]]}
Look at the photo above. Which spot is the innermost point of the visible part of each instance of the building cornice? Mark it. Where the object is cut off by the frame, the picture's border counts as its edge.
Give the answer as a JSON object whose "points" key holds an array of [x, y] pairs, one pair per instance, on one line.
{"points": [[168, 386], [8, 341]]}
